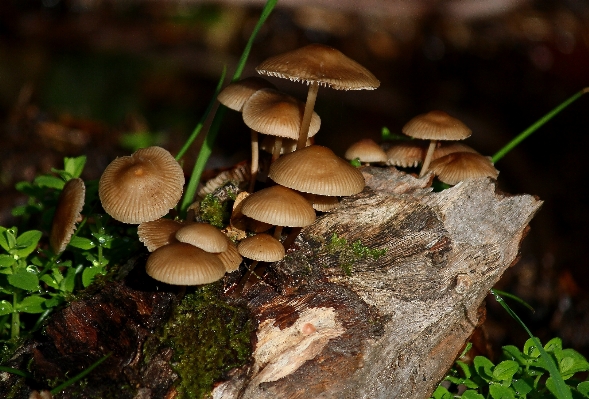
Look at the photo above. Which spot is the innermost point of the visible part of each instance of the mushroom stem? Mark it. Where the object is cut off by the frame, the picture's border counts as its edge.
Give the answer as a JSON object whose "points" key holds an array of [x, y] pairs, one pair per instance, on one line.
{"points": [[428, 157], [255, 160], [278, 232], [291, 237], [306, 122], [276, 149]]}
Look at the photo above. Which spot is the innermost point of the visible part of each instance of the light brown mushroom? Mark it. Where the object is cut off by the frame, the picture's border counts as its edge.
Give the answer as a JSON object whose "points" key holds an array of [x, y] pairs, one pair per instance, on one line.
{"points": [[67, 213], [203, 236], [141, 187], [157, 233], [315, 65], [262, 248], [406, 154], [367, 151], [459, 166]]}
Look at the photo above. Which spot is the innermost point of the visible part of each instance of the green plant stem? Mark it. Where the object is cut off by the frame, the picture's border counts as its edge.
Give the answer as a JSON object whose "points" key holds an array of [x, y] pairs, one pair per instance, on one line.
{"points": [[78, 377], [207, 146], [562, 391], [18, 372], [539, 123], [204, 117], [15, 322]]}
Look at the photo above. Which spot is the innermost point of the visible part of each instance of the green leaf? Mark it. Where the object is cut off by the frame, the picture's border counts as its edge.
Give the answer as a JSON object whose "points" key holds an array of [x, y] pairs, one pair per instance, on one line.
{"points": [[82, 243], [31, 304], [24, 279], [5, 307], [512, 352], [484, 368], [6, 260], [553, 345], [356, 162], [441, 393], [505, 370], [501, 392], [470, 394], [49, 182], [522, 386], [465, 368], [69, 282], [6, 239], [50, 281], [27, 242], [89, 273], [583, 388], [74, 166], [552, 388], [531, 349], [571, 362]]}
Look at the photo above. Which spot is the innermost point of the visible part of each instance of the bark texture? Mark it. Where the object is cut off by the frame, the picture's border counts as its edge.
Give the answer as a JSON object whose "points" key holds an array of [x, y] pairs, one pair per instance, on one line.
{"points": [[393, 327]]}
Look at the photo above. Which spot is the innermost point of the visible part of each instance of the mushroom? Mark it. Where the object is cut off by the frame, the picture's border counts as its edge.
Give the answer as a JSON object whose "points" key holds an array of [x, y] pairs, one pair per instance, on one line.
{"points": [[277, 114], [157, 233], [407, 154], [458, 166], [288, 145], [434, 126], [367, 151], [317, 64], [260, 248], [184, 264], [230, 257], [234, 97], [141, 187], [450, 147], [203, 236], [67, 213]]}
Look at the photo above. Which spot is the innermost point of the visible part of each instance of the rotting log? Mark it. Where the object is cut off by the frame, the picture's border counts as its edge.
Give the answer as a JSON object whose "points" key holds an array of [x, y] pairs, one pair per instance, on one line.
{"points": [[380, 327], [393, 327]]}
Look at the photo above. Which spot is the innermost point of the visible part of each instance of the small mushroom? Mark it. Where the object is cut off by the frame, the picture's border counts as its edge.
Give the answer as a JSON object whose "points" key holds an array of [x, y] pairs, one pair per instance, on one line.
{"points": [[406, 154], [67, 213], [458, 166], [203, 236], [157, 233], [367, 151]]}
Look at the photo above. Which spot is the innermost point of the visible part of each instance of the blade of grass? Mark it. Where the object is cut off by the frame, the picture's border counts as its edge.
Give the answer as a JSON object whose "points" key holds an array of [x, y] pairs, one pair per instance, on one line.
{"points": [[78, 377], [207, 146], [515, 298], [562, 390], [18, 372], [204, 117], [539, 123]]}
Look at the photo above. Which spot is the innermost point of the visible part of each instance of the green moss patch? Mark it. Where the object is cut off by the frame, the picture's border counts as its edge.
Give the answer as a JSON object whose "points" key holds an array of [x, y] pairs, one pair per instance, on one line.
{"points": [[350, 253]]}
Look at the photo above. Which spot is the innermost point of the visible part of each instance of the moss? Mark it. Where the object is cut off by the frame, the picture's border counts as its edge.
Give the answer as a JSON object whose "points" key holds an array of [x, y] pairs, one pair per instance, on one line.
{"points": [[214, 212], [348, 254], [209, 338]]}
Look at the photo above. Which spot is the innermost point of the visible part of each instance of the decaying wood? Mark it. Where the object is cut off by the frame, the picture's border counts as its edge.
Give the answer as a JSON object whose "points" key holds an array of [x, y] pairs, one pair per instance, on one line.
{"points": [[395, 325], [389, 329]]}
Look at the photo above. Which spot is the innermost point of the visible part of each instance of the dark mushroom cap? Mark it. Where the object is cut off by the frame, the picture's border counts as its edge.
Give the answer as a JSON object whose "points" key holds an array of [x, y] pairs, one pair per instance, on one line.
{"points": [[68, 211], [317, 63], [261, 247], [272, 112], [237, 93], [436, 125], [366, 150], [184, 264], [459, 166], [279, 206], [141, 187], [317, 170], [157, 233]]}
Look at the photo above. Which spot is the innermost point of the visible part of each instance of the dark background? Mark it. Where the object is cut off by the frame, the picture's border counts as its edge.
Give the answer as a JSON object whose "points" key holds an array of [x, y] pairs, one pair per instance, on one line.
{"points": [[96, 77]]}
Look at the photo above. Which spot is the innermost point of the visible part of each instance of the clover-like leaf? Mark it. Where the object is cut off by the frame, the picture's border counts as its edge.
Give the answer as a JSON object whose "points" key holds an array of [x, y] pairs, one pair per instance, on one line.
{"points": [[82, 243], [583, 388], [522, 386], [484, 368], [470, 394], [24, 279], [441, 393], [530, 348], [27, 242], [31, 304], [500, 392], [49, 182], [505, 370], [5, 307]]}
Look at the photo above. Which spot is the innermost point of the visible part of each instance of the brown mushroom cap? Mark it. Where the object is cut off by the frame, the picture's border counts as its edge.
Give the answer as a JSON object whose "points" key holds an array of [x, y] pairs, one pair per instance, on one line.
{"points": [[203, 236], [157, 233], [436, 125], [367, 150], [279, 206], [184, 264], [237, 93], [68, 211], [317, 63], [322, 203], [317, 170], [230, 258], [458, 166], [406, 154], [272, 112], [141, 187], [261, 247], [446, 148], [240, 221]]}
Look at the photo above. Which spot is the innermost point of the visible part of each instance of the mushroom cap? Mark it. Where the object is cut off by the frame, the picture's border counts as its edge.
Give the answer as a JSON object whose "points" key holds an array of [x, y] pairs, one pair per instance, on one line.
{"points": [[272, 112], [324, 65], [436, 125], [458, 166], [446, 148], [240, 221], [406, 154], [230, 258], [68, 211], [157, 233], [184, 264], [237, 93], [141, 187], [323, 203], [317, 170], [203, 236], [261, 247], [279, 206], [367, 151]]}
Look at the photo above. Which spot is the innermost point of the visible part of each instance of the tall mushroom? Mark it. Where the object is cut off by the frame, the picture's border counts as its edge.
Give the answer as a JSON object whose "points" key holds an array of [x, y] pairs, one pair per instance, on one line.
{"points": [[317, 64], [434, 126], [67, 213]]}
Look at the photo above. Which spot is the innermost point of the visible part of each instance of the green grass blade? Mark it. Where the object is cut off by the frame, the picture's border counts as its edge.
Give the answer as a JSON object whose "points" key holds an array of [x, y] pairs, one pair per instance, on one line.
{"points": [[562, 390], [78, 377], [18, 372], [539, 123], [207, 147], [515, 298], [204, 117]]}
